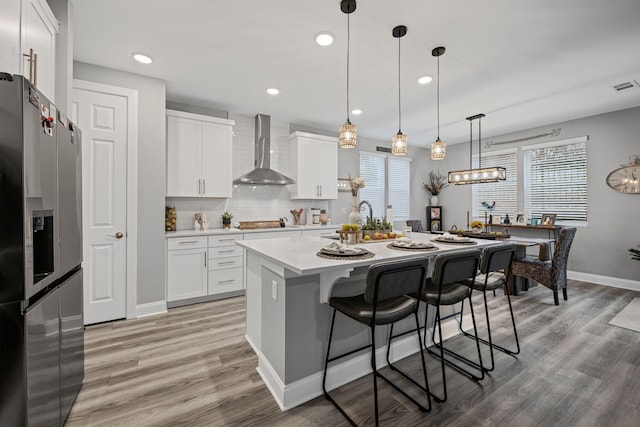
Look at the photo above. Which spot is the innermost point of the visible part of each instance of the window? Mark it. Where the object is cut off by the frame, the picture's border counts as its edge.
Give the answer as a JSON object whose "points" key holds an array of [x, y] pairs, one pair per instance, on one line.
{"points": [[555, 179], [503, 193], [375, 168]]}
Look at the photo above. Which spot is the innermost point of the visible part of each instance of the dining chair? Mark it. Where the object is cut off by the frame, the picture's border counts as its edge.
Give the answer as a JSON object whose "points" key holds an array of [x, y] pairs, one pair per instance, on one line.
{"points": [[416, 225], [550, 273], [495, 270], [385, 301]]}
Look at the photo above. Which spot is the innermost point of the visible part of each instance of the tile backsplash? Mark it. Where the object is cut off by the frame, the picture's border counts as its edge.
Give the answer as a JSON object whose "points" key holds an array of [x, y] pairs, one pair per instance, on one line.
{"points": [[248, 203]]}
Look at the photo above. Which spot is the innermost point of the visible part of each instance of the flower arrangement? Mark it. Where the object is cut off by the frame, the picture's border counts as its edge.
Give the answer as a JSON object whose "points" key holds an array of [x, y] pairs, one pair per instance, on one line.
{"points": [[227, 215], [356, 184], [296, 214], [437, 182]]}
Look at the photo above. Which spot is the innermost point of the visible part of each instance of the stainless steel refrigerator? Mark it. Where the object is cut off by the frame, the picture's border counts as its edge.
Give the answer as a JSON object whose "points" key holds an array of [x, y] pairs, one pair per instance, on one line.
{"points": [[41, 318]]}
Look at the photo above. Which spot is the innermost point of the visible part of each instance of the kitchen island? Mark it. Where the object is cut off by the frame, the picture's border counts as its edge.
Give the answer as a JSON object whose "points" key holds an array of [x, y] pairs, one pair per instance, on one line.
{"points": [[288, 318]]}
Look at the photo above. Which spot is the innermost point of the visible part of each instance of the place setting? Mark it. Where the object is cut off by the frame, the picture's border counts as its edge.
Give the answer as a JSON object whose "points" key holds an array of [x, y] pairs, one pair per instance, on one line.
{"points": [[409, 245], [341, 251], [454, 239]]}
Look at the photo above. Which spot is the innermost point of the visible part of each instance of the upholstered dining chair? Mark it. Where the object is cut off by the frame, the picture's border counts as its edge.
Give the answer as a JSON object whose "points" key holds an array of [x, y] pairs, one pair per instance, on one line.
{"points": [[551, 273], [416, 225], [386, 300]]}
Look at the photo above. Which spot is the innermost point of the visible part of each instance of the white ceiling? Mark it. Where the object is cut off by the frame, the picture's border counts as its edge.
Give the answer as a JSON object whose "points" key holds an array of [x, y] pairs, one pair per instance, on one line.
{"points": [[524, 63]]}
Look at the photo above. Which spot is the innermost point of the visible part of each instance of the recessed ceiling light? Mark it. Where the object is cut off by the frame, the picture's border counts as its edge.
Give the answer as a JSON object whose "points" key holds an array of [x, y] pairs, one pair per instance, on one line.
{"points": [[273, 91], [425, 80], [142, 58], [356, 112], [324, 38]]}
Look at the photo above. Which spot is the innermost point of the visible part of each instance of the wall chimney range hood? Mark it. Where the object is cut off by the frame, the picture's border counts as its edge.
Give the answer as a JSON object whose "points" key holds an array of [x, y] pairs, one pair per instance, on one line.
{"points": [[262, 174]]}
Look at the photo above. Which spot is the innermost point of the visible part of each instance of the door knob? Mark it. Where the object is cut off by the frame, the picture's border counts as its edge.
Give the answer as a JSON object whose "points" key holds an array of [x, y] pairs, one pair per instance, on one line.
{"points": [[118, 235]]}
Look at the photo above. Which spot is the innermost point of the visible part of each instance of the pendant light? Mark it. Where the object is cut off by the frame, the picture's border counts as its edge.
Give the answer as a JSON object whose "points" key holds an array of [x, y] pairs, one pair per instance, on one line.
{"points": [[478, 175], [399, 140], [438, 148], [348, 131]]}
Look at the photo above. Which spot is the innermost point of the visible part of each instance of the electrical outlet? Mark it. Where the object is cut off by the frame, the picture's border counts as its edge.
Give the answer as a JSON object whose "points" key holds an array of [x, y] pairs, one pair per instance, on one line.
{"points": [[274, 290]]}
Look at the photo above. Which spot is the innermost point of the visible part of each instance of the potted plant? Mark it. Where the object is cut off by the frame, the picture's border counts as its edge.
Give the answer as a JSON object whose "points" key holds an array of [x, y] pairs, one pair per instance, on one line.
{"points": [[437, 182], [635, 254], [226, 219]]}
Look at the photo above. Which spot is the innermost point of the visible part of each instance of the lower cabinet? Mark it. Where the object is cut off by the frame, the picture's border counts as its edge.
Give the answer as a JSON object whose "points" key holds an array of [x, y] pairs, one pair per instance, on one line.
{"points": [[202, 268], [186, 268]]}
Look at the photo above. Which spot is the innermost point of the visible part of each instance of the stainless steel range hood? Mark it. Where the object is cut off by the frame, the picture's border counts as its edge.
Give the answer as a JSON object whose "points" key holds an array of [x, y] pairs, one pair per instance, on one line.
{"points": [[263, 174]]}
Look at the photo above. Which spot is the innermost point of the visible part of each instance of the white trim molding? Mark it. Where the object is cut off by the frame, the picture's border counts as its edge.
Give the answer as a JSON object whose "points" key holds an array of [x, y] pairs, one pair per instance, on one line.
{"points": [[151, 308], [614, 282]]}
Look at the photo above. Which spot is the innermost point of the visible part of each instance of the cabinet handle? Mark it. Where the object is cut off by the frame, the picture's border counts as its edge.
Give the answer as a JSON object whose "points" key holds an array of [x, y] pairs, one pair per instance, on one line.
{"points": [[226, 281], [35, 69], [204, 186], [205, 259], [227, 252], [32, 64], [188, 242], [226, 263], [227, 240], [320, 190]]}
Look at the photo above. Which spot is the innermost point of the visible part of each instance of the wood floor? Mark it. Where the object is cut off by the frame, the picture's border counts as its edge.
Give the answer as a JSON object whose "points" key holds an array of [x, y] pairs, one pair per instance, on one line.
{"points": [[192, 367]]}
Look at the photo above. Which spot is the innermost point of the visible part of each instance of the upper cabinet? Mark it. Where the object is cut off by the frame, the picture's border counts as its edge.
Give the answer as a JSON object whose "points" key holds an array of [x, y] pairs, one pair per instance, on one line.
{"points": [[199, 155], [10, 58], [39, 28], [314, 166]]}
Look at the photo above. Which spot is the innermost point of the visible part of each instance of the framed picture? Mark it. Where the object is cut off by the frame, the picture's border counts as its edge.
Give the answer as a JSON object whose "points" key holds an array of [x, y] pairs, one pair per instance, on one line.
{"points": [[434, 218], [520, 218], [548, 219], [436, 212], [495, 219]]}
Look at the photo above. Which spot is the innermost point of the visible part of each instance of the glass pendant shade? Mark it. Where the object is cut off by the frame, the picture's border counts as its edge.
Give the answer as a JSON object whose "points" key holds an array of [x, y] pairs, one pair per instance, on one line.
{"points": [[438, 150], [348, 135], [399, 144]]}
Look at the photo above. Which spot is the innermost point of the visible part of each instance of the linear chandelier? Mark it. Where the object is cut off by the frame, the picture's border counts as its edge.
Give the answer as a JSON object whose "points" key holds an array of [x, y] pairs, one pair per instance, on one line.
{"points": [[478, 175]]}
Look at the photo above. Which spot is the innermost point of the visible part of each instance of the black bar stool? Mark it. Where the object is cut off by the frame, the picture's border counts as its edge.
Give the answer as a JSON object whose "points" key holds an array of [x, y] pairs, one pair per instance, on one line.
{"points": [[495, 269], [385, 301], [448, 285]]}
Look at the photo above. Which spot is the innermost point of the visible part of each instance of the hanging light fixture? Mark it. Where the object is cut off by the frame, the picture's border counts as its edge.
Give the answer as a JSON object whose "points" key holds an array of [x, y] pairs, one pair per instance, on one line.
{"points": [[438, 148], [399, 140], [348, 131], [480, 174]]}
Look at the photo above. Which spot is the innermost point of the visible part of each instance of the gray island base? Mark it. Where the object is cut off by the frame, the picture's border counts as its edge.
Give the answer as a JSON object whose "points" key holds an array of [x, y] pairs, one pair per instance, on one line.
{"points": [[288, 318]]}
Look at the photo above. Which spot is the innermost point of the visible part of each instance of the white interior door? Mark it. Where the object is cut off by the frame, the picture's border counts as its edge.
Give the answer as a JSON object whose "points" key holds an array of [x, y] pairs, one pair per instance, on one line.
{"points": [[103, 120]]}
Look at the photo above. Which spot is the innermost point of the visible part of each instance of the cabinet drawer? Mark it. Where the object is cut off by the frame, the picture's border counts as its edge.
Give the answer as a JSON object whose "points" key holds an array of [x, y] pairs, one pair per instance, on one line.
{"points": [[228, 280], [227, 262], [174, 243], [225, 251], [224, 240]]}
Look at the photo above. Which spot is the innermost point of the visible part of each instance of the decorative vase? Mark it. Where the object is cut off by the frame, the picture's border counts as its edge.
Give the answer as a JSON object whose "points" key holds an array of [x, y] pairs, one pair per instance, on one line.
{"points": [[324, 218], [434, 200], [226, 223], [354, 216]]}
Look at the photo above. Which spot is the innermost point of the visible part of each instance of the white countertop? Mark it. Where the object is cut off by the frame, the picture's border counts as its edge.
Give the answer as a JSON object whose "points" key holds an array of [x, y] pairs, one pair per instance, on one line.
{"points": [[216, 231], [298, 254]]}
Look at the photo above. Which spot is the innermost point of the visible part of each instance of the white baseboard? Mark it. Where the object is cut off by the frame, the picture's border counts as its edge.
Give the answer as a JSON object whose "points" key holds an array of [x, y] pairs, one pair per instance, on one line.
{"points": [[310, 387], [151, 308], [614, 282]]}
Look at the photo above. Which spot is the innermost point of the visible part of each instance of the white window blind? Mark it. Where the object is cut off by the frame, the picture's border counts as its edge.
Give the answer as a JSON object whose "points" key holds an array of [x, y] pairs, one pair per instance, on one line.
{"points": [[399, 187], [372, 169], [503, 193], [555, 176]]}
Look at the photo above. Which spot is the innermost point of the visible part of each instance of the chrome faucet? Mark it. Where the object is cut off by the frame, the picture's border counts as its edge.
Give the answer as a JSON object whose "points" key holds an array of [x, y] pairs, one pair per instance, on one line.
{"points": [[364, 202]]}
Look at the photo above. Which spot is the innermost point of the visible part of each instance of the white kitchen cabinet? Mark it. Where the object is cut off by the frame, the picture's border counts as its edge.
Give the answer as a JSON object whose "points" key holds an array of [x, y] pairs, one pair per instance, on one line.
{"points": [[199, 155], [226, 262], [186, 268], [10, 57], [38, 31], [314, 166]]}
